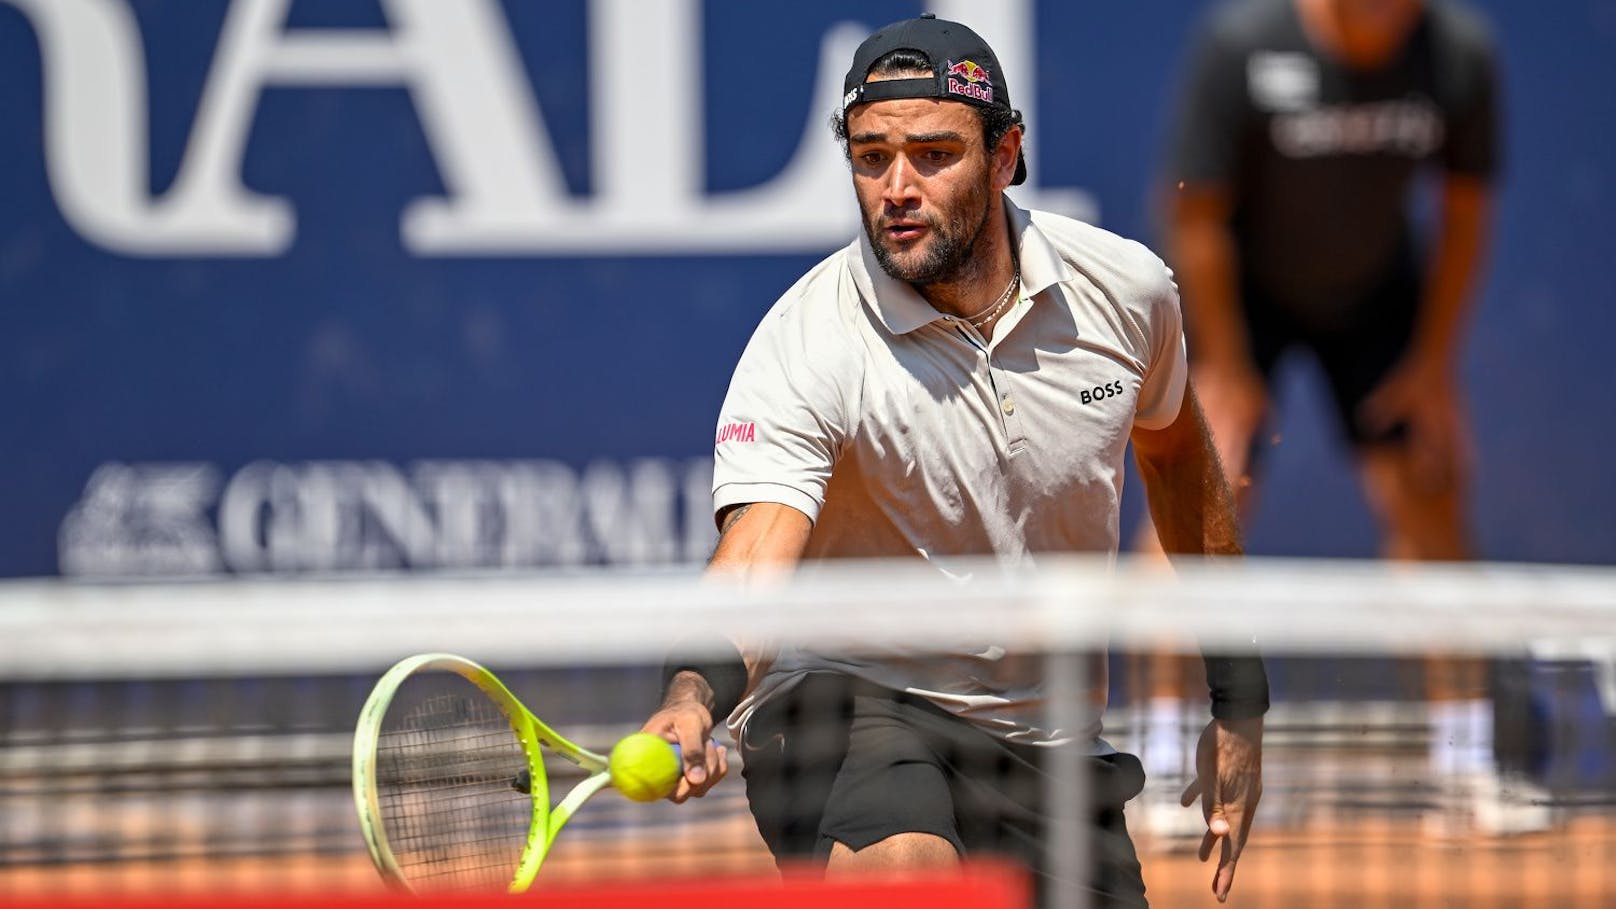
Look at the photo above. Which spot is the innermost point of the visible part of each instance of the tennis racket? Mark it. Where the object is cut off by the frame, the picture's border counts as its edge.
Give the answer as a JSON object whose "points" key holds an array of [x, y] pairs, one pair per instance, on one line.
{"points": [[448, 777]]}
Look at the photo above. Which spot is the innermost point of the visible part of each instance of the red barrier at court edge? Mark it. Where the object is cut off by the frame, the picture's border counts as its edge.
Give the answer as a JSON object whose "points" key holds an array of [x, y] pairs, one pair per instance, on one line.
{"points": [[978, 886]]}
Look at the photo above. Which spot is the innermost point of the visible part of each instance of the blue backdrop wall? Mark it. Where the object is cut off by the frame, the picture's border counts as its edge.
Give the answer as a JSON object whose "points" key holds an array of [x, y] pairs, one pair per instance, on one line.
{"points": [[268, 306]]}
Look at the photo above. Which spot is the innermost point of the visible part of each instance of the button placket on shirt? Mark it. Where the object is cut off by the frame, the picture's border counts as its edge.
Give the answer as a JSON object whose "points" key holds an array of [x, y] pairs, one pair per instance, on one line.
{"points": [[1000, 382], [1010, 408]]}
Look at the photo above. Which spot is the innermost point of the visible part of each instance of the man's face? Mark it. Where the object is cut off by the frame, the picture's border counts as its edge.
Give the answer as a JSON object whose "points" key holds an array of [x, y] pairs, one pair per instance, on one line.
{"points": [[925, 184], [1373, 30]]}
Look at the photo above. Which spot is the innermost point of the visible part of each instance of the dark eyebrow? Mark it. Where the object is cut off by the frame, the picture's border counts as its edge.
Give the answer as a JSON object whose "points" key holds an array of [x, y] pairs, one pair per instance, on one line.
{"points": [[934, 138], [946, 135]]}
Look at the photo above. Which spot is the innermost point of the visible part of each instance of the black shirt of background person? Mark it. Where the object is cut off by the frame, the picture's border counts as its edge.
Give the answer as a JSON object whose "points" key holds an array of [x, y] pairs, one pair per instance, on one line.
{"points": [[1319, 157]]}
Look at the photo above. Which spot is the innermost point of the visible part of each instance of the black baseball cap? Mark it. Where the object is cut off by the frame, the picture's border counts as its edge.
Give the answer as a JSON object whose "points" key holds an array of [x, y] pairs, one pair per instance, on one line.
{"points": [[963, 68]]}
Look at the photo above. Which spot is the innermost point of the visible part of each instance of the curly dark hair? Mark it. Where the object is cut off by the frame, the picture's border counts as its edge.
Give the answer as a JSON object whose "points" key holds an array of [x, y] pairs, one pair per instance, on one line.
{"points": [[995, 120]]}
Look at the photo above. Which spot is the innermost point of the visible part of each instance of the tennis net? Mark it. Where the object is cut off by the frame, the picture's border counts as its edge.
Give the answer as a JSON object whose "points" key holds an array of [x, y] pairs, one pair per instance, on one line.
{"points": [[1438, 736]]}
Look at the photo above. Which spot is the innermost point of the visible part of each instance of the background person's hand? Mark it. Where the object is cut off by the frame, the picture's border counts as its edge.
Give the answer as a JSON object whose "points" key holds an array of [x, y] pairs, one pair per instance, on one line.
{"points": [[1424, 397]]}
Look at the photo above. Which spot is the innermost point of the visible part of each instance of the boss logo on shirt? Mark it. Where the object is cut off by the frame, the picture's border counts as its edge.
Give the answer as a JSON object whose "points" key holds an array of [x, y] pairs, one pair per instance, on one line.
{"points": [[1101, 392], [737, 432]]}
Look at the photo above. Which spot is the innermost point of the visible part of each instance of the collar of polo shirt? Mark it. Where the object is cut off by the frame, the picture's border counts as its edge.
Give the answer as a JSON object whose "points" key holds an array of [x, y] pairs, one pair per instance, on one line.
{"points": [[902, 309]]}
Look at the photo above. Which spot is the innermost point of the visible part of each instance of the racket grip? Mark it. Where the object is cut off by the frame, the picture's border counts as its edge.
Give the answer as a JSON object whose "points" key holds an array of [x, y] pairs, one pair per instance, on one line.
{"points": [[679, 753]]}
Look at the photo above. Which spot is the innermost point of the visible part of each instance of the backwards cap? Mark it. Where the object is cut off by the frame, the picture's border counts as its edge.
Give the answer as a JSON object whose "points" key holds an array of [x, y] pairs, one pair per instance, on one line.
{"points": [[963, 68]]}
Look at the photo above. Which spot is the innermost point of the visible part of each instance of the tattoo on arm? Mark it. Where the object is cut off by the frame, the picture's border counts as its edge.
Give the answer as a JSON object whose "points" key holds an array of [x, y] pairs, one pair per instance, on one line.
{"points": [[731, 516], [770, 541], [726, 520]]}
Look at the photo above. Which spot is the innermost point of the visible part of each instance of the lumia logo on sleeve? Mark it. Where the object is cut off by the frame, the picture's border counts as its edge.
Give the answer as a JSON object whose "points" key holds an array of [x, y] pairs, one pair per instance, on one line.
{"points": [[737, 432]]}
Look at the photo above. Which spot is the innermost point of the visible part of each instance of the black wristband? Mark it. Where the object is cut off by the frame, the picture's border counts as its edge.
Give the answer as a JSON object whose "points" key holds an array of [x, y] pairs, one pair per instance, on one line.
{"points": [[722, 669], [1239, 686]]}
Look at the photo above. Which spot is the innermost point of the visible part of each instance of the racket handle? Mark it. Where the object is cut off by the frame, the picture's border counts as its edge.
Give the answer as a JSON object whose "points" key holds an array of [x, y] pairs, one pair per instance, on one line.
{"points": [[679, 753]]}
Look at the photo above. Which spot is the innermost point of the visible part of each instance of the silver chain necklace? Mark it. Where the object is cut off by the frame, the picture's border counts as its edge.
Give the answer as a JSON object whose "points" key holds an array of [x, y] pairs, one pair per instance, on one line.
{"points": [[983, 318]]}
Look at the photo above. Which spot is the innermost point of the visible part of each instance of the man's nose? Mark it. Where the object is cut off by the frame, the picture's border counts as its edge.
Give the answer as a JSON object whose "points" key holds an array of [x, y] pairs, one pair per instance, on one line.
{"points": [[900, 189]]}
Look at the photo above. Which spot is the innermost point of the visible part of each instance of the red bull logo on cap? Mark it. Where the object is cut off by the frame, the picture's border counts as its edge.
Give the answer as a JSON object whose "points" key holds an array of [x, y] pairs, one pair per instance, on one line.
{"points": [[975, 84]]}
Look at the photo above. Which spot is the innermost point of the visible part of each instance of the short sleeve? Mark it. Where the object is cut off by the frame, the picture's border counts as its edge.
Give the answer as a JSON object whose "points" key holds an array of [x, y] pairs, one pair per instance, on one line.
{"points": [[784, 419], [1211, 112], [1471, 145], [1167, 374]]}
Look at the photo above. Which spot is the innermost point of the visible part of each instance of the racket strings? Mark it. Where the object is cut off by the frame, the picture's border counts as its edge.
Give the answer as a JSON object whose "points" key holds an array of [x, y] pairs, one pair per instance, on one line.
{"points": [[445, 768]]}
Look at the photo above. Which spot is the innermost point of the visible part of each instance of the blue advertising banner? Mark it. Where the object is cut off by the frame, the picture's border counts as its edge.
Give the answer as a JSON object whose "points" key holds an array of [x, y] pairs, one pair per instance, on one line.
{"points": [[348, 285]]}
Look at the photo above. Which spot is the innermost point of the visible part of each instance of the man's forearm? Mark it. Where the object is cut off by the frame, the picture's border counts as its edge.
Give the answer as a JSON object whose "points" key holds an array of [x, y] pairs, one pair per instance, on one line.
{"points": [[1190, 501], [1194, 512], [757, 542]]}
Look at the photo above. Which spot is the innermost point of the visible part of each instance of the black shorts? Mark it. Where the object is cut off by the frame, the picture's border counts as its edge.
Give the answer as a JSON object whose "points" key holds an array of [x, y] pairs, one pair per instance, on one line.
{"points": [[839, 760], [1357, 340]]}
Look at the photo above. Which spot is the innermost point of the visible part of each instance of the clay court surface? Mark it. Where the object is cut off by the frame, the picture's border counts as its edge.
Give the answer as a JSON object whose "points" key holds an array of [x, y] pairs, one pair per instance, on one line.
{"points": [[1390, 867], [1364, 865]]}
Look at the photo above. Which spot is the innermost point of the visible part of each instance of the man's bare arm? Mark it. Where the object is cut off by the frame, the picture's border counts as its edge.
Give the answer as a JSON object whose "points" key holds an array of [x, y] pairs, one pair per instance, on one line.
{"points": [[1194, 511], [755, 541], [1189, 497], [762, 537], [758, 542]]}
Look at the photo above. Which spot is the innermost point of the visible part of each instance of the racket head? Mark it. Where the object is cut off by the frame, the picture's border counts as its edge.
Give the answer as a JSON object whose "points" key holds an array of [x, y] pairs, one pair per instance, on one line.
{"points": [[439, 744]]}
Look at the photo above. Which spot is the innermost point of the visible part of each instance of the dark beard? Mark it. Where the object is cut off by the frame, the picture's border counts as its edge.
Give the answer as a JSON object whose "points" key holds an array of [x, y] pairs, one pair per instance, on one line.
{"points": [[953, 246]]}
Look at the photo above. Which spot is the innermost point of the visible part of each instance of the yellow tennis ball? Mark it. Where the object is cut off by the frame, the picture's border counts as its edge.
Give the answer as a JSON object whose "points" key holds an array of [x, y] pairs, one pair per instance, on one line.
{"points": [[644, 767]]}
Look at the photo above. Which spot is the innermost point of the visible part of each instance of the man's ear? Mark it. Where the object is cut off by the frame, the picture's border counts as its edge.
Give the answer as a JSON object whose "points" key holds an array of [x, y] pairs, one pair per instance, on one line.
{"points": [[1005, 158]]}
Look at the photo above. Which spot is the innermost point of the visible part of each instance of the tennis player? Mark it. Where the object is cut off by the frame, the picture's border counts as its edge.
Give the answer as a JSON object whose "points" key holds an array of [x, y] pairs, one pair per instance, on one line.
{"points": [[962, 380]]}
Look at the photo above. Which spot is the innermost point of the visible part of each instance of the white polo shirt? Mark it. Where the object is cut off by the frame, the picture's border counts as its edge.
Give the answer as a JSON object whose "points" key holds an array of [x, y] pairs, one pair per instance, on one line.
{"points": [[900, 431]]}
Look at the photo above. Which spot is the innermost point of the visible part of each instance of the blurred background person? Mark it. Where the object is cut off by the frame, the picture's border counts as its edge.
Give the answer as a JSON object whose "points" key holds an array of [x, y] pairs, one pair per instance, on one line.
{"points": [[1294, 223]]}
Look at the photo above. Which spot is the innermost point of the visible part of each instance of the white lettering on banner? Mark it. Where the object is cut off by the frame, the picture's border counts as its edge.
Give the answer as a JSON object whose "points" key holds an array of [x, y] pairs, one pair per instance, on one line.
{"points": [[140, 520], [506, 193], [153, 519]]}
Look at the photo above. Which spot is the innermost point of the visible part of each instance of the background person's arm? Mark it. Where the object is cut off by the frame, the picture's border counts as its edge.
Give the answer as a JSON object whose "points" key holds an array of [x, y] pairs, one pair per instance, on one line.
{"points": [[1423, 391], [1206, 262], [1455, 263], [1201, 183]]}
